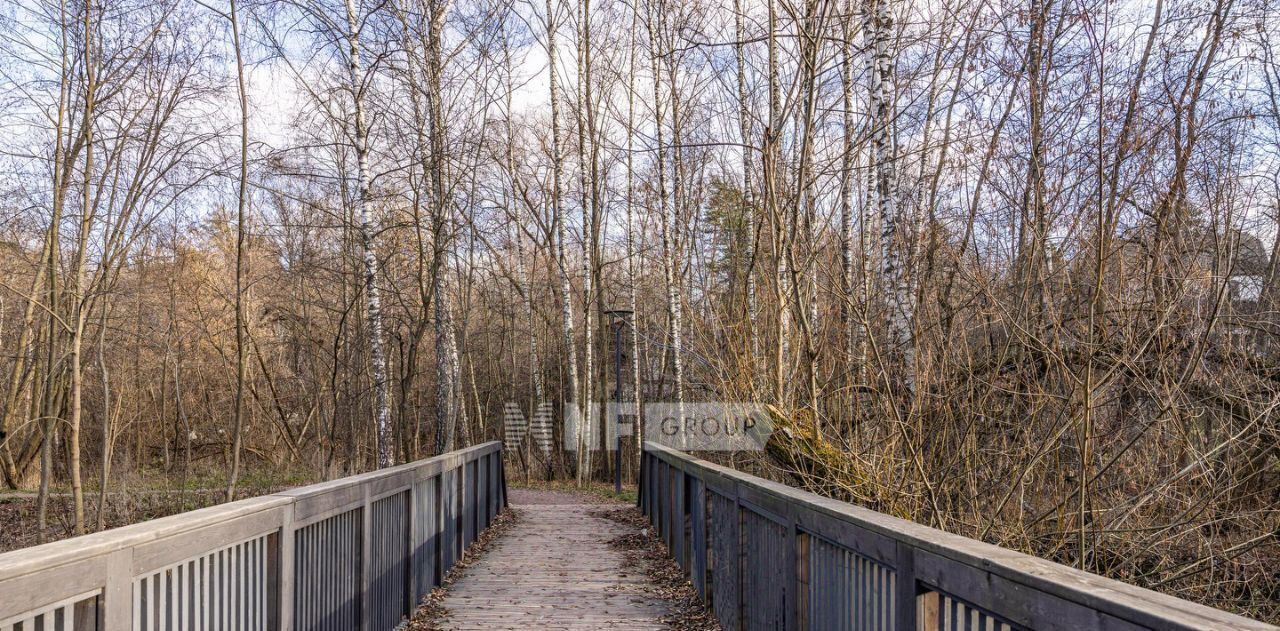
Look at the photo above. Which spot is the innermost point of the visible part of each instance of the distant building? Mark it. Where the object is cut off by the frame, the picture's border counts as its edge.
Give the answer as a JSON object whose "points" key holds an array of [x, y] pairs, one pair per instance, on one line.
{"points": [[1248, 274]]}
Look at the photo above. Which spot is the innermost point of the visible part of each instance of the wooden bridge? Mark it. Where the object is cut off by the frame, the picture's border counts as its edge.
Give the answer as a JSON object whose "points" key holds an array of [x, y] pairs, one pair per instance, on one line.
{"points": [[358, 553]]}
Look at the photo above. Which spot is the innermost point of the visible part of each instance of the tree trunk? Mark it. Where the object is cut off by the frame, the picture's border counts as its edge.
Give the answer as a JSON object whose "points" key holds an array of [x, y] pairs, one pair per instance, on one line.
{"points": [[669, 261], [878, 26], [586, 183], [557, 211], [78, 290], [242, 202], [108, 428], [632, 293], [373, 301], [847, 181], [748, 208]]}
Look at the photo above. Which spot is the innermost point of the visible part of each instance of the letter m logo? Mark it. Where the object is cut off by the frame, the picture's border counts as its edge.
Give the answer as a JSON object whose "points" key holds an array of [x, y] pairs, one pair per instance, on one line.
{"points": [[517, 427]]}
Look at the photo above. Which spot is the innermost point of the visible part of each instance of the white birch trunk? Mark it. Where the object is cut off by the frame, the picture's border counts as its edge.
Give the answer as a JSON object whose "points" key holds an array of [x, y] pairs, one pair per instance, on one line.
{"points": [[669, 261], [557, 211], [446, 401], [526, 273], [588, 279], [631, 229], [373, 301], [901, 305]]}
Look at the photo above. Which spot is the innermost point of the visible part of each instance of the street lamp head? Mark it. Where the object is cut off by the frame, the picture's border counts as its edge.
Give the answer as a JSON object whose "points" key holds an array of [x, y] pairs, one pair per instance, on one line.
{"points": [[618, 313]]}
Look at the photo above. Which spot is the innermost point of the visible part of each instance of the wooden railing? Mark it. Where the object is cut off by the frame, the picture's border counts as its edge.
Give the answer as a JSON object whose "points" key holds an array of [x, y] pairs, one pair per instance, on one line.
{"points": [[767, 556], [354, 553]]}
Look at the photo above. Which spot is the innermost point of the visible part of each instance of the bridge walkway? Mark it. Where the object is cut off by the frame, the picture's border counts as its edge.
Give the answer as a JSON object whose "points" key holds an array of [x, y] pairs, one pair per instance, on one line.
{"points": [[554, 569]]}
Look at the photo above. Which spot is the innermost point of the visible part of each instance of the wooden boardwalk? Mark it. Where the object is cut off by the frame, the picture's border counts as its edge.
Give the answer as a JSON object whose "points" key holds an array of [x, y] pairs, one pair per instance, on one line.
{"points": [[554, 570]]}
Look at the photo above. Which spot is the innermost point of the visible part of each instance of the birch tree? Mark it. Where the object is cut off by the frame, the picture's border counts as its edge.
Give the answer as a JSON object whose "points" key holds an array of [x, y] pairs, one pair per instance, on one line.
{"points": [[877, 29], [364, 202], [670, 262], [558, 218]]}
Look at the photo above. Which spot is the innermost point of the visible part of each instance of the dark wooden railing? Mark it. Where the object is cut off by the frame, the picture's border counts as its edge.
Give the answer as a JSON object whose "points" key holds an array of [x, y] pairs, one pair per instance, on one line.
{"points": [[767, 556], [350, 554]]}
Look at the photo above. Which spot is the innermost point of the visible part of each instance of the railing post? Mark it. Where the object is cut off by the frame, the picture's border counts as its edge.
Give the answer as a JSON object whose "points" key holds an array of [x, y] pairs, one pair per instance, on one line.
{"points": [[482, 495], [801, 600], [366, 562], [477, 506], [739, 553], [698, 534], [905, 590], [438, 527], [678, 519], [641, 482], [117, 594], [477, 503], [669, 504], [655, 503], [791, 585], [411, 517], [285, 569], [491, 462], [496, 483], [448, 521], [491, 486], [460, 511], [655, 493], [502, 471]]}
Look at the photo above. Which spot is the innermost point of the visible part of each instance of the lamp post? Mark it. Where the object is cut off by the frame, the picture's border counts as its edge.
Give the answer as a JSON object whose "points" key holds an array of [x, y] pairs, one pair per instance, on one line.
{"points": [[620, 317]]}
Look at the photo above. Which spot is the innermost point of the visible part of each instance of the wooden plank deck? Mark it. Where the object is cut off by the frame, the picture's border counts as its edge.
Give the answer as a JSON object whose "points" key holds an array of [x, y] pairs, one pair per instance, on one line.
{"points": [[554, 570]]}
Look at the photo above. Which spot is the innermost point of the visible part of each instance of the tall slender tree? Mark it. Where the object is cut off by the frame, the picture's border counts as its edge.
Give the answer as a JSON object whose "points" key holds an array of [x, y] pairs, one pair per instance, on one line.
{"points": [[358, 83], [558, 218], [79, 292], [242, 207], [878, 30]]}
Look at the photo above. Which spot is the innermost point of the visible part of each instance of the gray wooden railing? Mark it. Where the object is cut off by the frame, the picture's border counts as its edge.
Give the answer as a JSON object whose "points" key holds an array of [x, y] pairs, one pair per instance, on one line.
{"points": [[354, 553], [767, 556]]}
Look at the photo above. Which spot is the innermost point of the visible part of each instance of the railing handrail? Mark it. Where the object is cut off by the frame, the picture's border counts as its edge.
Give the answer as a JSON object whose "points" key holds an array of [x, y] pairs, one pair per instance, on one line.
{"points": [[67, 568], [23, 561], [1114, 598]]}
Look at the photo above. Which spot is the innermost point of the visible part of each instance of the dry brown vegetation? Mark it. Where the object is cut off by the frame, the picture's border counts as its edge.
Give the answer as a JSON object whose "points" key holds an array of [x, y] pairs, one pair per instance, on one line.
{"points": [[1006, 269]]}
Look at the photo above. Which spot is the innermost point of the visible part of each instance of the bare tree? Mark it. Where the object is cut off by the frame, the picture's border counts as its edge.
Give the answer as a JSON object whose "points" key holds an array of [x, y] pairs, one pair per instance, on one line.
{"points": [[558, 218], [242, 203], [373, 299]]}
